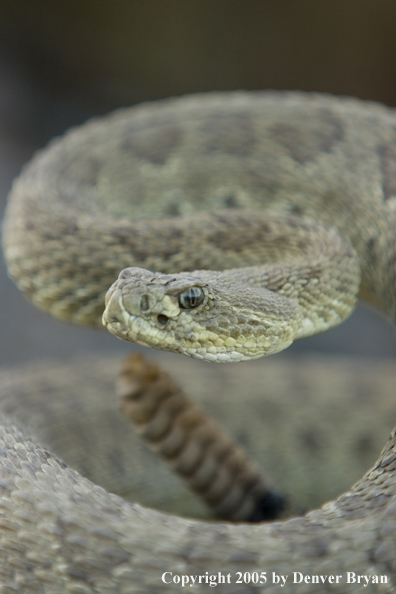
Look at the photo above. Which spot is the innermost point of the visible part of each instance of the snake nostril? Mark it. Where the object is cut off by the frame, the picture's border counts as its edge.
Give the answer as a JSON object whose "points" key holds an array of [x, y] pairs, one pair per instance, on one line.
{"points": [[144, 303], [162, 319]]}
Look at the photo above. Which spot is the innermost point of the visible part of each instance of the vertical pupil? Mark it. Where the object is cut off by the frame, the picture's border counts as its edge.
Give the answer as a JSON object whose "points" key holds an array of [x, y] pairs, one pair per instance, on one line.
{"points": [[192, 296]]}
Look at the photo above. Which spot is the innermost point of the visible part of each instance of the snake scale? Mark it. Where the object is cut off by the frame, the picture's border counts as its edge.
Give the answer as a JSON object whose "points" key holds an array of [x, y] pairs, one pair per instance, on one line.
{"points": [[202, 172]]}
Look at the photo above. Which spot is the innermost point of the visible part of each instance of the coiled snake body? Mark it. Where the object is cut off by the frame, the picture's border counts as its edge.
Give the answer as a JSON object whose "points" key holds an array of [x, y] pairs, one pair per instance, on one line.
{"points": [[184, 185]]}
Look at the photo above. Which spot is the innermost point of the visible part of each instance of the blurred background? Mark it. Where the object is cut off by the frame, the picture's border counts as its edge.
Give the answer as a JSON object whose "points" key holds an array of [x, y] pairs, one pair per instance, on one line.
{"points": [[65, 61]]}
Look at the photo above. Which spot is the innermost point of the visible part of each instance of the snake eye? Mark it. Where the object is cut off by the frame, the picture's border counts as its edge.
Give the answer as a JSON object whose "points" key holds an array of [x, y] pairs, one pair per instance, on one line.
{"points": [[191, 298]]}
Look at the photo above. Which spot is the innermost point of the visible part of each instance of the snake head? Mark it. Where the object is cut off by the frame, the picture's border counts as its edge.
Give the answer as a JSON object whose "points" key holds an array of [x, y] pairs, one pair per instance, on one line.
{"points": [[188, 314], [154, 309]]}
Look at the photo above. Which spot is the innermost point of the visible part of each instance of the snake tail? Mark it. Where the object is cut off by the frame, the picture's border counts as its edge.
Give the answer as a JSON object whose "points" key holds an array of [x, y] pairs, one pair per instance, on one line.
{"points": [[194, 445]]}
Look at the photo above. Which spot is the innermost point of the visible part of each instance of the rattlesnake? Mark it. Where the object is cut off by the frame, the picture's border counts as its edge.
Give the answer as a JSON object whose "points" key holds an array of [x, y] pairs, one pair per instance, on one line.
{"points": [[229, 155]]}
